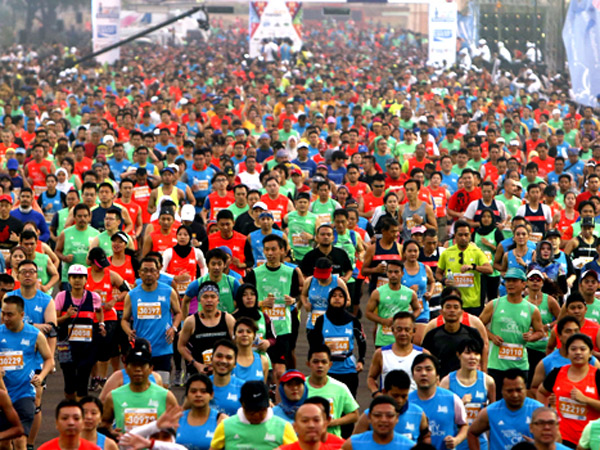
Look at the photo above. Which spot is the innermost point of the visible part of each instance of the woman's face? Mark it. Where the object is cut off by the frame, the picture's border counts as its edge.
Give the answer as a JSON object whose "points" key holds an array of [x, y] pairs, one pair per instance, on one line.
{"points": [[521, 236], [486, 219], [65, 165], [579, 353], [198, 396], [337, 299], [570, 200], [342, 196], [294, 389], [411, 252], [546, 251], [183, 237], [248, 298], [16, 258]]}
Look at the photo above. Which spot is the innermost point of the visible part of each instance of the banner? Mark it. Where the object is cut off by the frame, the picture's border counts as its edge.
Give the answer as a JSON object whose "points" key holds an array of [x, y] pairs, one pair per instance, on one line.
{"points": [[442, 32], [581, 36], [106, 29], [274, 19]]}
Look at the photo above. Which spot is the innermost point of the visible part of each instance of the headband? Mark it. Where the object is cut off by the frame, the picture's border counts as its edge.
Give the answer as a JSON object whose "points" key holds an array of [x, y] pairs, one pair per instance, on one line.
{"points": [[208, 288]]}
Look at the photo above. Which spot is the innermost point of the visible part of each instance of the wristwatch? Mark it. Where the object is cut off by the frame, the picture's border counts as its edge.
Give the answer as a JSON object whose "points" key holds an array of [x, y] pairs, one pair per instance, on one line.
{"points": [[474, 266]]}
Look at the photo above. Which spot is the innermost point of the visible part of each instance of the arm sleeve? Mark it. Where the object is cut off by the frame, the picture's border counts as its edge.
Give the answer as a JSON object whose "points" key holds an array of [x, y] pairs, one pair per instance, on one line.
{"points": [[248, 254], [316, 335], [550, 380], [295, 288], [146, 430], [361, 339], [97, 300], [167, 255], [470, 212], [270, 333], [289, 435], [218, 440]]}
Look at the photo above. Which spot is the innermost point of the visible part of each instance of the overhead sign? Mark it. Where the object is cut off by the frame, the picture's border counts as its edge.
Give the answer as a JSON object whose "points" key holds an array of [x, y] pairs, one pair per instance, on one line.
{"points": [[106, 28], [442, 32], [274, 19]]}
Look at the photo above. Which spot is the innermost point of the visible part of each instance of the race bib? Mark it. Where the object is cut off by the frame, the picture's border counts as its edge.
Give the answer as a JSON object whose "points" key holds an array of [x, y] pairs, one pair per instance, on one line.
{"points": [[277, 312], [571, 409], [181, 286], [11, 360], [464, 280], [299, 241], [80, 333], [203, 185], [48, 216], [410, 223], [149, 310], [510, 352], [536, 237], [386, 330], [39, 189], [207, 356], [439, 201], [324, 218], [314, 315], [338, 345], [472, 411], [135, 417], [276, 215], [141, 192], [437, 288]]}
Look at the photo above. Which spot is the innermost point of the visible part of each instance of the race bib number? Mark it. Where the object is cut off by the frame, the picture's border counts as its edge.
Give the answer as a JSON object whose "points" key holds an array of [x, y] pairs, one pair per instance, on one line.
{"points": [[510, 352], [536, 237], [314, 315], [437, 288], [472, 411], [276, 215], [338, 345], [48, 216], [135, 417], [181, 286], [39, 189], [324, 218], [141, 192], [439, 201], [207, 356], [571, 409], [80, 333], [410, 223], [203, 185], [299, 241], [147, 311], [11, 360], [464, 280], [489, 256], [386, 330], [277, 312], [382, 281]]}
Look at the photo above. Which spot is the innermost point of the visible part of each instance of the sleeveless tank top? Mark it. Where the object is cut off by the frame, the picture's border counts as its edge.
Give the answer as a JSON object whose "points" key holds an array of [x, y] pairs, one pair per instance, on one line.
{"points": [[196, 437], [318, 296], [407, 219], [420, 279], [391, 361], [204, 338], [104, 289], [383, 255], [253, 372]]}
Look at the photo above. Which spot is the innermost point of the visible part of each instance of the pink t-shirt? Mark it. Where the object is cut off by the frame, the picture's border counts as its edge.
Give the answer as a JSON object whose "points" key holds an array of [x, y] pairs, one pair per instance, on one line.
{"points": [[59, 301]]}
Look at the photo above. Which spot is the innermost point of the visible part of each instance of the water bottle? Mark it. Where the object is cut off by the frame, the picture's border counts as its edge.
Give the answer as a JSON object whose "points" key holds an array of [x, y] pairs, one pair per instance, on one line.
{"points": [[450, 276]]}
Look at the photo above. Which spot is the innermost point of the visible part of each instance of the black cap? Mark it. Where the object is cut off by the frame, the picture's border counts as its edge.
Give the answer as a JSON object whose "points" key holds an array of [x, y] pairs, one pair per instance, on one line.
{"points": [[553, 233], [254, 395], [97, 256], [587, 222], [140, 353]]}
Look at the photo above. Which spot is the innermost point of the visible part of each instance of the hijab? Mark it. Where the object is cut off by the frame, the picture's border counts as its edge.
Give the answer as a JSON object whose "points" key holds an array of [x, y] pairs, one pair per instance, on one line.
{"points": [[338, 315], [184, 250], [242, 311]]}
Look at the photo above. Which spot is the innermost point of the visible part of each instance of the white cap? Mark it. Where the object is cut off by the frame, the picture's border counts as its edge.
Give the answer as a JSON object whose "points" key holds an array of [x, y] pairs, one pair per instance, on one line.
{"points": [[154, 99], [188, 212], [482, 42], [174, 166], [107, 138], [530, 45], [183, 101], [555, 111], [261, 205], [500, 139], [535, 272], [514, 142], [50, 122], [77, 269], [501, 44]]}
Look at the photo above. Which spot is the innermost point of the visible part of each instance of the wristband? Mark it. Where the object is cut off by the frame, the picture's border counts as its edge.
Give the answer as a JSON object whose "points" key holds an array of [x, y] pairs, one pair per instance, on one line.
{"points": [[474, 266], [101, 323], [374, 393], [151, 444]]}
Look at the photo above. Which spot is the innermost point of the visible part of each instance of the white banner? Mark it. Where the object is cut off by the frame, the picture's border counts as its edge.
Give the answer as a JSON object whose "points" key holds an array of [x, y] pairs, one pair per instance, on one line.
{"points": [[106, 28], [274, 19], [442, 32]]}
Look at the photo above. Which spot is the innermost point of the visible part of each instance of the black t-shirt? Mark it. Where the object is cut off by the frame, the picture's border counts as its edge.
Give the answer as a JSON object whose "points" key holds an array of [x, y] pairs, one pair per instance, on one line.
{"points": [[443, 345], [6, 227], [338, 257]]}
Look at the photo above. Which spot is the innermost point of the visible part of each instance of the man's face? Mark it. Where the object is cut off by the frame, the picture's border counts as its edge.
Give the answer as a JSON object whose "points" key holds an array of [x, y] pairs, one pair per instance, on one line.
{"points": [[593, 184], [394, 171], [452, 311], [223, 360], [463, 237], [589, 285], [25, 199], [138, 372], [29, 246], [403, 330], [319, 364], [272, 252], [216, 266], [430, 243], [11, 316], [310, 423], [569, 330], [325, 236], [82, 218], [545, 428], [514, 392], [225, 226], [467, 180], [272, 188], [383, 419], [5, 208], [69, 421], [105, 194], [425, 375], [577, 310], [209, 299], [487, 192], [302, 205], [534, 195], [149, 273]]}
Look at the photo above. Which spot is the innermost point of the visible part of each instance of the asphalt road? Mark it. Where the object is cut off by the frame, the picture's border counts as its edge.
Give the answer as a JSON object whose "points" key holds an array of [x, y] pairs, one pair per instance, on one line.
{"points": [[54, 392]]}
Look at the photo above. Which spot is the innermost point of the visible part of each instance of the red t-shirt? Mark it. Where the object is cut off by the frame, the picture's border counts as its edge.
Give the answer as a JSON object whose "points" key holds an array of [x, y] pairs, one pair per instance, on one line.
{"points": [[545, 166], [460, 199], [54, 445]]}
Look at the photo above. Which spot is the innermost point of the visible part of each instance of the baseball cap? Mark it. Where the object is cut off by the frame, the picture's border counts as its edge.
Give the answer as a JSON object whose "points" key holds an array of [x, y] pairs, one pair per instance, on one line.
{"points": [[226, 250], [98, 256], [514, 142], [12, 164], [265, 214], [254, 395], [331, 120], [291, 375], [592, 273], [120, 235], [77, 269], [587, 222], [322, 166], [590, 163], [6, 198], [167, 169], [108, 138], [302, 145], [296, 172], [553, 233], [261, 205], [515, 273], [188, 212], [239, 132], [535, 272], [264, 136], [573, 151], [140, 353], [20, 151]]}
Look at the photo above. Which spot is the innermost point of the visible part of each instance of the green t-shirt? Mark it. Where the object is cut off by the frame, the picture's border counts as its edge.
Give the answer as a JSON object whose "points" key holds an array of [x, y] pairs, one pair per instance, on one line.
{"points": [[570, 137], [263, 436], [279, 283], [324, 211], [459, 170], [525, 182], [509, 136], [512, 206], [593, 311], [547, 318], [555, 124], [449, 146], [296, 225], [135, 408], [403, 149], [474, 165], [41, 260], [285, 135], [468, 283], [390, 302], [407, 124], [77, 243], [340, 400], [510, 321], [226, 293], [237, 211]]}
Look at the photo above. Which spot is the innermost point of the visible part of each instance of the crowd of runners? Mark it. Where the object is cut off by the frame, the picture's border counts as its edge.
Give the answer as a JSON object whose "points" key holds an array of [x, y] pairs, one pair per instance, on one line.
{"points": [[184, 217]]}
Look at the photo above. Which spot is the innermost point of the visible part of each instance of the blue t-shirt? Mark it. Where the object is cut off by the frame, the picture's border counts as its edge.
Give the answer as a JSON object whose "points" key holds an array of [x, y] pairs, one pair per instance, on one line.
{"points": [[365, 441], [227, 398], [196, 437], [18, 378], [508, 427], [151, 314]]}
